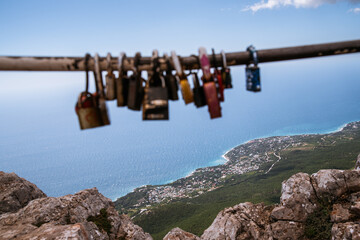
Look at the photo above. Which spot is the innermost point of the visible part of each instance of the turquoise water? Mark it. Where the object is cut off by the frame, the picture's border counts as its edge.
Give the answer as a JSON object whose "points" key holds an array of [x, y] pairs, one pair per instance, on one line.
{"points": [[40, 138]]}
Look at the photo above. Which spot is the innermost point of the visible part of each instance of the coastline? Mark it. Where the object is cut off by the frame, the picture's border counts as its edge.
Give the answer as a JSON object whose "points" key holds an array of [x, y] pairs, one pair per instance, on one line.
{"points": [[329, 131]]}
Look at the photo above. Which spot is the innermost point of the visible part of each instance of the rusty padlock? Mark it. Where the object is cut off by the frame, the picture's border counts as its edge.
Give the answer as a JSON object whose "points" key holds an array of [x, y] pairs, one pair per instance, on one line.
{"points": [[86, 106], [110, 87], [100, 94]]}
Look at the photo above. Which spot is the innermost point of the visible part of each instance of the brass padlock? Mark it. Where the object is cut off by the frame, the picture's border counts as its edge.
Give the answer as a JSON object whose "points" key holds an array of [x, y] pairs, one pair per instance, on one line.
{"points": [[184, 84], [122, 82], [155, 104], [100, 94], [136, 90], [198, 91], [110, 87]]}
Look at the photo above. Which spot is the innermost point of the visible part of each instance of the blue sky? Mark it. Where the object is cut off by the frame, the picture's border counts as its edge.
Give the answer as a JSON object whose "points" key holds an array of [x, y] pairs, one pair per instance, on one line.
{"points": [[39, 133]]}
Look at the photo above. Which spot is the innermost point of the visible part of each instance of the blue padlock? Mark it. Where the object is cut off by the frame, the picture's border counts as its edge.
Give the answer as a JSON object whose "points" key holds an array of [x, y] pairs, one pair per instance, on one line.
{"points": [[253, 72]]}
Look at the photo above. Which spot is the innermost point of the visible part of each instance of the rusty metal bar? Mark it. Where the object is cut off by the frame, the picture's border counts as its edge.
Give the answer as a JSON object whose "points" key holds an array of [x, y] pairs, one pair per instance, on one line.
{"points": [[8, 63]]}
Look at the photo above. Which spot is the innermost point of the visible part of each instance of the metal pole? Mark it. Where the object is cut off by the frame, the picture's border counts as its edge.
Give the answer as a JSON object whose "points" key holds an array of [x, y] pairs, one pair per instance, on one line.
{"points": [[8, 63]]}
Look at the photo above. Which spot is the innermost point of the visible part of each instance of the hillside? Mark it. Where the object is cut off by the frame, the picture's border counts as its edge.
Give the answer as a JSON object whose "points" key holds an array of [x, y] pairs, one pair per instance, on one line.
{"points": [[253, 173]]}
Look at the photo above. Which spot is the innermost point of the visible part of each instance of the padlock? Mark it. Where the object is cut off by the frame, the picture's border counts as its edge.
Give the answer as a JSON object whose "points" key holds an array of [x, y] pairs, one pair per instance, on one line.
{"points": [[155, 104], [212, 100], [87, 108], [253, 79], [181, 77], [135, 94], [198, 91], [225, 72], [110, 87], [122, 82], [87, 111], [100, 94], [170, 80], [252, 72], [218, 79], [210, 90], [136, 90], [186, 90]]}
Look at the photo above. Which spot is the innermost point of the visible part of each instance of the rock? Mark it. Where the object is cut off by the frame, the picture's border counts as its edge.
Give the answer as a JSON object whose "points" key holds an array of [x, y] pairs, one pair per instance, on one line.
{"points": [[68, 217], [298, 199], [329, 184], [340, 213], [16, 192], [283, 230], [128, 230], [179, 234], [243, 221], [355, 209], [352, 178], [81, 231], [357, 164], [346, 231]]}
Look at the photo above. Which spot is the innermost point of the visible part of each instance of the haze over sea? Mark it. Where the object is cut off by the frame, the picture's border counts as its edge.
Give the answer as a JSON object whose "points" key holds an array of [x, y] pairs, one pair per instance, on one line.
{"points": [[40, 138]]}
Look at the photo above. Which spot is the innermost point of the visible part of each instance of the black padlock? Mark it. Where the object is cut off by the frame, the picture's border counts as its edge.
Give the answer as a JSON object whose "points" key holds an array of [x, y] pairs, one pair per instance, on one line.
{"points": [[253, 72], [198, 91], [110, 87], [136, 90], [122, 82], [225, 72], [170, 80], [155, 104]]}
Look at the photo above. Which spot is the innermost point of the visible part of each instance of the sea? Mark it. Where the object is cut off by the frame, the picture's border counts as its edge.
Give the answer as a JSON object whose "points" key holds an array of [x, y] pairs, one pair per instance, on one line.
{"points": [[40, 138]]}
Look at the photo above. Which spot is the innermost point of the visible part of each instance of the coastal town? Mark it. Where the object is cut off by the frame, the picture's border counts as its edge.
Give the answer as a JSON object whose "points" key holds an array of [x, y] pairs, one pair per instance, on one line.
{"points": [[256, 155]]}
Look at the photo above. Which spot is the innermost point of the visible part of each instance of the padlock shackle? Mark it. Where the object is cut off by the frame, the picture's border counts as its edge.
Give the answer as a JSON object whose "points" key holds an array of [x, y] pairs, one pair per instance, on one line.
{"points": [[253, 54], [98, 76], [108, 63], [86, 62], [121, 59], [223, 56]]}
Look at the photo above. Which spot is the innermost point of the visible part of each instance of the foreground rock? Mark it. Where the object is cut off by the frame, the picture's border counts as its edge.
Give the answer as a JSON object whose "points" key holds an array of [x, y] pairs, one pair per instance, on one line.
{"points": [[16, 192], [325, 205], [179, 234], [84, 215]]}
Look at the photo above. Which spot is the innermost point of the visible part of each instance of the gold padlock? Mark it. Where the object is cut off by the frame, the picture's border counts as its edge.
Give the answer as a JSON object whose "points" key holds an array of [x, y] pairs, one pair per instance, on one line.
{"points": [[184, 84], [186, 92]]}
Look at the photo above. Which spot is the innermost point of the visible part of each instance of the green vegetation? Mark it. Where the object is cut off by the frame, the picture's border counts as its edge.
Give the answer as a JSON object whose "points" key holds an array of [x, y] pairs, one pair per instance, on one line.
{"points": [[318, 225], [335, 151], [101, 221]]}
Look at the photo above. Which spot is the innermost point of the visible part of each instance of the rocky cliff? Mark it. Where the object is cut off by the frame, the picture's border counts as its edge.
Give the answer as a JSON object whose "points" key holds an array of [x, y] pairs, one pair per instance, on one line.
{"points": [[26, 213], [324, 205]]}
